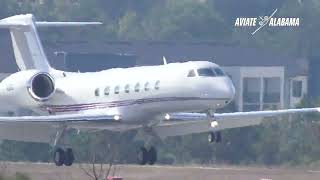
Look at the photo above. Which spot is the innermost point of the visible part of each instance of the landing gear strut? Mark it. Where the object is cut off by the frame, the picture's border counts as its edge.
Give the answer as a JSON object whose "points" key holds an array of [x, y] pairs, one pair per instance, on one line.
{"points": [[214, 137], [63, 157], [147, 156]]}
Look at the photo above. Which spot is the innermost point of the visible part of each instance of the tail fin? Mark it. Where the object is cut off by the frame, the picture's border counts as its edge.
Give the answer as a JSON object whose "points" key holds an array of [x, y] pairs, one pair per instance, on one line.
{"points": [[28, 50]]}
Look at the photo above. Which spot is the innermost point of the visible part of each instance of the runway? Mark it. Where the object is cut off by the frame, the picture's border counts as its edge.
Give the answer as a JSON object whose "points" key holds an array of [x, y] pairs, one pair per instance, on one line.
{"points": [[43, 171]]}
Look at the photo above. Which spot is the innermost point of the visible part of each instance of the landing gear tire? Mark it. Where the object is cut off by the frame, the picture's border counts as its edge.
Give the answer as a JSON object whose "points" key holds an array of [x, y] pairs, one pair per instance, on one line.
{"points": [[211, 137], [145, 156], [58, 156], [152, 156], [69, 157], [61, 157], [142, 156], [214, 137]]}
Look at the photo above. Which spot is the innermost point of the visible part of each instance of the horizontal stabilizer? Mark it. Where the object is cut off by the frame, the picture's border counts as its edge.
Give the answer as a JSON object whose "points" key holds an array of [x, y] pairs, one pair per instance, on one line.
{"points": [[47, 24], [64, 24], [12, 25]]}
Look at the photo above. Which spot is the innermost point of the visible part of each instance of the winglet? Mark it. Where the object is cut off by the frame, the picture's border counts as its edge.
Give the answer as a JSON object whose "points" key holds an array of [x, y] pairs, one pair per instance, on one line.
{"points": [[164, 60]]}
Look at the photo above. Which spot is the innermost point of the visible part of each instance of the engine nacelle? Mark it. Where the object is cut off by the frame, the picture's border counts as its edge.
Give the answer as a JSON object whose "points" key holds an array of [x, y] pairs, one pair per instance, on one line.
{"points": [[41, 86], [28, 88]]}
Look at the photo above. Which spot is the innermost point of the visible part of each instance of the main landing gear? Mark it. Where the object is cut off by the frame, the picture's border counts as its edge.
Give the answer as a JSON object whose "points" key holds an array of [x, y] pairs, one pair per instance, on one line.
{"points": [[63, 157], [147, 156], [214, 137]]}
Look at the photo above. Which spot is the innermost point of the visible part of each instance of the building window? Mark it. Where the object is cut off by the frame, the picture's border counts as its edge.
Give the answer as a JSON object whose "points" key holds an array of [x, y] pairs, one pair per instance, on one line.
{"points": [[117, 90], [157, 85], [191, 73], [251, 90], [97, 92], [107, 91], [251, 107], [296, 89], [127, 88], [272, 88], [137, 87], [147, 86]]}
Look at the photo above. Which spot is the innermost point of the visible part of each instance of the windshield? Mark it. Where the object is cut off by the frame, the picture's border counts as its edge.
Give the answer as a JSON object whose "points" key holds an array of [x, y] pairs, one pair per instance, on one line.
{"points": [[218, 72], [206, 72]]}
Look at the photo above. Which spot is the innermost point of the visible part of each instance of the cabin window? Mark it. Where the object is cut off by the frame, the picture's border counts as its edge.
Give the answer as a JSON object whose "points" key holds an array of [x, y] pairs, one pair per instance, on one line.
{"points": [[206, 72], [219, 72], [127, 88], [157, 85], [147, 86], [97, 92], [137, 87], [117, 90], [107, 91], [191, 73]]}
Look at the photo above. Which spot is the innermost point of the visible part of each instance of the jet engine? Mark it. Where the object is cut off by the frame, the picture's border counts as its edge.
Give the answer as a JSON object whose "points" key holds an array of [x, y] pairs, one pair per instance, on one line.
{"points": [[41, 86]]}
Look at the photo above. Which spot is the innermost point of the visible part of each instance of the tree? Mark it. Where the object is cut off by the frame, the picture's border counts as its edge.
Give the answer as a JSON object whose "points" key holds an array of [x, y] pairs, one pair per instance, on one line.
{"points": [[185, 20]]}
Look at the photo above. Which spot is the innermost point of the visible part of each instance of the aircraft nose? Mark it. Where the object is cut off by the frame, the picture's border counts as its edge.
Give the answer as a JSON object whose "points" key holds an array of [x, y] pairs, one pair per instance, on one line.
{"points": [[232, 90], [228, 89]]}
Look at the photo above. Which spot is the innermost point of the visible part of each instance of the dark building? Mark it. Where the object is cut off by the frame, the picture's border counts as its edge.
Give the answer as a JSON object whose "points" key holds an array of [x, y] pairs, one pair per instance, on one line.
{"points": [[92, 62], [314, 76]]}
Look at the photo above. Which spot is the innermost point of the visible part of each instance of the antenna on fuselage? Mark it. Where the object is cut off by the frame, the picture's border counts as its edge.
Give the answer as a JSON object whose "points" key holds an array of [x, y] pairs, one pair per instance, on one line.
{"points": [[164, 60]]}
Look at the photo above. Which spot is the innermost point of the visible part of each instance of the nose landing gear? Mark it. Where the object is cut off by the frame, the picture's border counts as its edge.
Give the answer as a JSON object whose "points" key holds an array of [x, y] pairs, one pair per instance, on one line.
{"points": [[147, 156]]}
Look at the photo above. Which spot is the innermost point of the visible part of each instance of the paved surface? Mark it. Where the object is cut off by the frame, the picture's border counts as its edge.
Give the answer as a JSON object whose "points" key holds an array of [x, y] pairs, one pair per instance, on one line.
{"points": [[43, 171]]}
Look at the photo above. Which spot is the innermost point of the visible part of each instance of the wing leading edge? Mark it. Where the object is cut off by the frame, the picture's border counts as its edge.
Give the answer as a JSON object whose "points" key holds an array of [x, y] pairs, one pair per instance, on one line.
{"points": [[189, 123]]}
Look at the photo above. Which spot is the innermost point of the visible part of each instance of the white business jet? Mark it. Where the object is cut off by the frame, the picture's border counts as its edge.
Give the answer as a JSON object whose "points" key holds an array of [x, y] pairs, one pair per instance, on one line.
{"points": [[40, 103]]}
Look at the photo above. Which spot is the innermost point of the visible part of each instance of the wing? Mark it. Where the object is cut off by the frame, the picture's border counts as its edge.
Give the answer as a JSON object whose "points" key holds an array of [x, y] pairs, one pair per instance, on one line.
{"points": [[189, 123], [44, 128]]}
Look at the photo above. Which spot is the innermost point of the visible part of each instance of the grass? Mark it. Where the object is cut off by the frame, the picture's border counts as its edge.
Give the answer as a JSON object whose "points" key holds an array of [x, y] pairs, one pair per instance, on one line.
{"points": [[17, 176]]}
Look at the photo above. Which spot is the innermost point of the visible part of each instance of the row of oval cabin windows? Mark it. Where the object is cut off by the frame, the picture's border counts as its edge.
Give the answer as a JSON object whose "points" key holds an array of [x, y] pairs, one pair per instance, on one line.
{"points": [[127, 89]]}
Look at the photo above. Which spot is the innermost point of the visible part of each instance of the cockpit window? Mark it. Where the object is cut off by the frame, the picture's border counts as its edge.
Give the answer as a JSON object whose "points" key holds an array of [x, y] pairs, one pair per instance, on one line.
{"points": [[191, 73], [206, 72], [219, 72]]}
